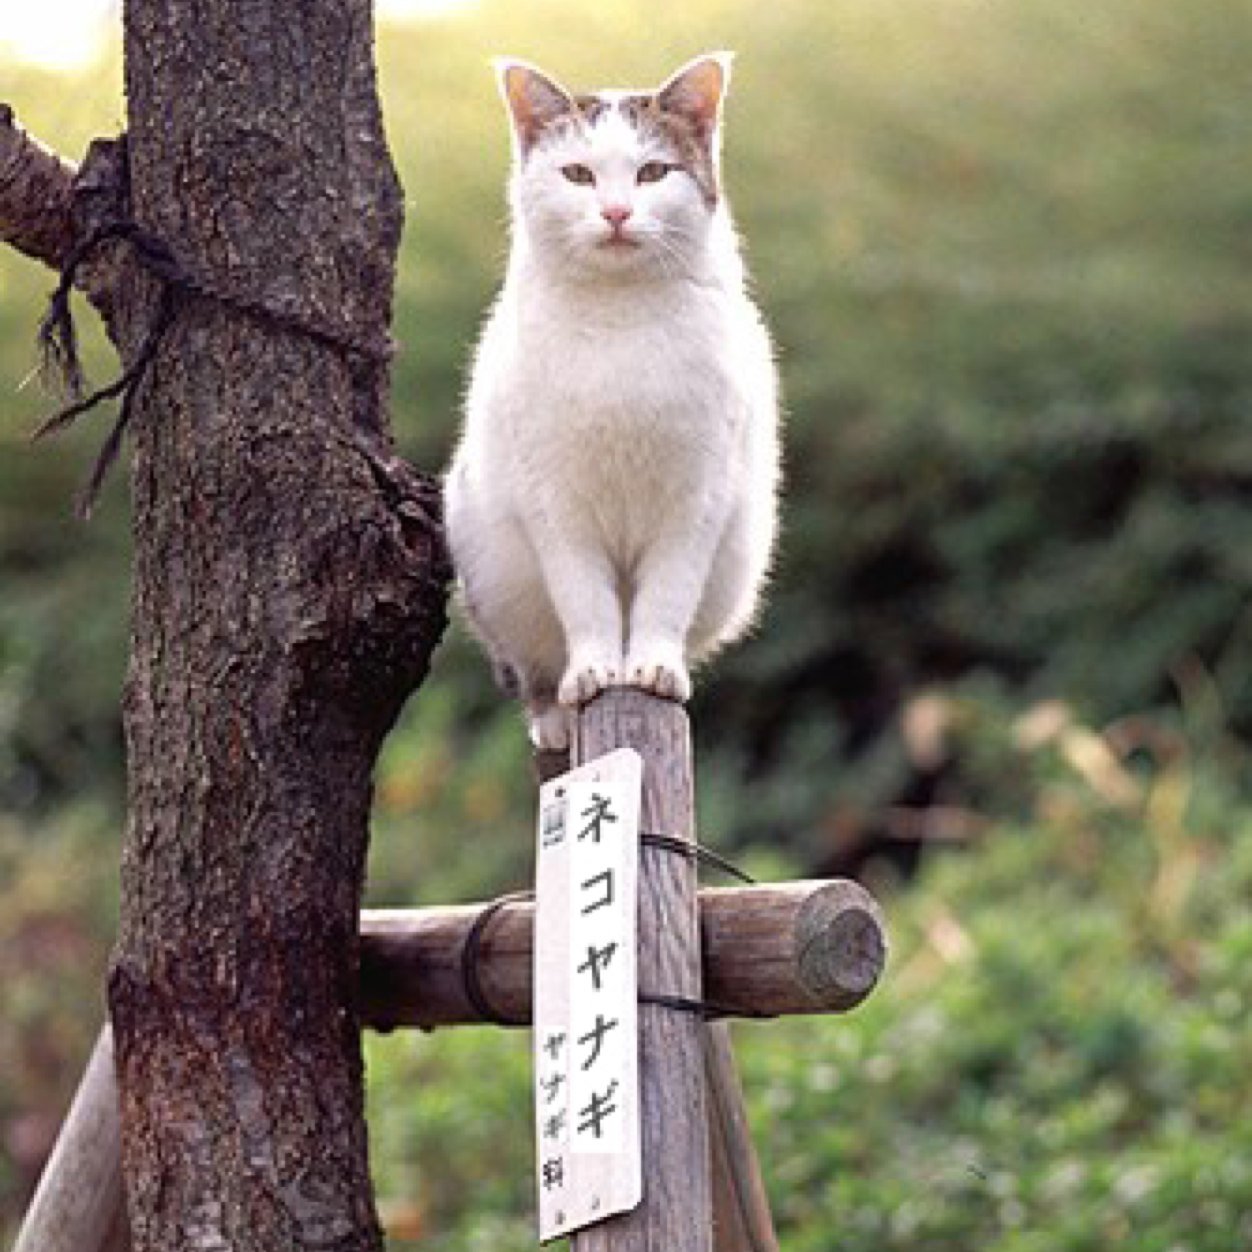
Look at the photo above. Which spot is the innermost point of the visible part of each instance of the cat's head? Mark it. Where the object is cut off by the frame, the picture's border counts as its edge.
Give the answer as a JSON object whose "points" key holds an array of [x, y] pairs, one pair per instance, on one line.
{"points": [[621, 183]]}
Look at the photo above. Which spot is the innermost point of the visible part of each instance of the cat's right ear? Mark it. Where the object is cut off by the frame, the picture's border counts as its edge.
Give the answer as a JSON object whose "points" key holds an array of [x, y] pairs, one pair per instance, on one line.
{"points": [[534, 102]]}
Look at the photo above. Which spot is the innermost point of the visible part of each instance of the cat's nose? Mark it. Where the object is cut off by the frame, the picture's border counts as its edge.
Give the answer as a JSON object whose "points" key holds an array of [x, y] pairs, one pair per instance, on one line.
{"points": [[615, 214]]}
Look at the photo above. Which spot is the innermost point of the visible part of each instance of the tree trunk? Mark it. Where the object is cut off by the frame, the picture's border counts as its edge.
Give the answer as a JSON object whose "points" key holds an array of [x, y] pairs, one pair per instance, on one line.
{"points": [[288, 589]]}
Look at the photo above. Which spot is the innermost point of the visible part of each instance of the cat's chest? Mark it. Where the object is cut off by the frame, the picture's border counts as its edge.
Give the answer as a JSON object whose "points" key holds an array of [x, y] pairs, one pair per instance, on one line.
{"points": [[665, 377]]}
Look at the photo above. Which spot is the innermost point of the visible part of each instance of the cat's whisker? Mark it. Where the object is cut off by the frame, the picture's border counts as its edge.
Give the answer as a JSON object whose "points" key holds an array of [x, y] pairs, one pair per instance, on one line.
{"points": [[666, 250], [664, 258], [668, 271]]}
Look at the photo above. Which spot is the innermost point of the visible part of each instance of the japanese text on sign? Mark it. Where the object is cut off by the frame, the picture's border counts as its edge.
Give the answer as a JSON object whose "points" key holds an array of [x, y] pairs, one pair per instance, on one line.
{"points": [[586, 995]]}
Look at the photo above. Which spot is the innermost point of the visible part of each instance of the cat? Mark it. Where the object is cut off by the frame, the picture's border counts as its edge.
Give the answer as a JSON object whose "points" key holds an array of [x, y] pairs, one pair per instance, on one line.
{"points": [[611, 506]]}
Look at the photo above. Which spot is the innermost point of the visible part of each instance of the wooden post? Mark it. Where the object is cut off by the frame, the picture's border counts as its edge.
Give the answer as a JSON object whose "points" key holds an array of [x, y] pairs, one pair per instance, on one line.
{"points": [[78, 1205], [676, 1213]]}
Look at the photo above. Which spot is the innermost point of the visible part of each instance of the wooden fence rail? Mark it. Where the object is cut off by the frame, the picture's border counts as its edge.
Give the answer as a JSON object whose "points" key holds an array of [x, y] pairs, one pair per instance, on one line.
{"points": [[813, 946]]}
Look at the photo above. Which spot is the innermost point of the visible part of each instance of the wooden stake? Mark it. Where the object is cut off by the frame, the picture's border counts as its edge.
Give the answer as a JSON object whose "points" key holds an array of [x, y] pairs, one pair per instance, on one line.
{"points": [[79, 1206], [741, 1218], [675, 1215]]}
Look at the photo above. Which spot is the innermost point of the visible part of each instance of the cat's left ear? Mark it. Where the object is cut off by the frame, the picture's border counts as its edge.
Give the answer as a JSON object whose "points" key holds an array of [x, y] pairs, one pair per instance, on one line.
{"points": [[697, 90]]}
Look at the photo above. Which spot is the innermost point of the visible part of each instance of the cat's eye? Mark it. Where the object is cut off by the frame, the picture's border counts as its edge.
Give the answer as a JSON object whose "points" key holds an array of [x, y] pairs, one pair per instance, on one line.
{"points": [[580, 174], [653, 171]]}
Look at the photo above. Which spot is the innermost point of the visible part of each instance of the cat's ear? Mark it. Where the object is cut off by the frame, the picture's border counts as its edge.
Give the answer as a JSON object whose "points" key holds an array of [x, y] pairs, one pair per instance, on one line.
{"points": [[697, 90], [533, 99]]}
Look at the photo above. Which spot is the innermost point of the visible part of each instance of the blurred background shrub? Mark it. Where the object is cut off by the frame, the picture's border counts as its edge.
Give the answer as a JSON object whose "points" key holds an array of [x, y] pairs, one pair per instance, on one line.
{"points": [[1006, 671]]}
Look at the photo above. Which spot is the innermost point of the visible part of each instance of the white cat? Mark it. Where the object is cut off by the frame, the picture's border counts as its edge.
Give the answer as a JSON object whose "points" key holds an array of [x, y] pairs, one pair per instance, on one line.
{"points": [[611, 508]]}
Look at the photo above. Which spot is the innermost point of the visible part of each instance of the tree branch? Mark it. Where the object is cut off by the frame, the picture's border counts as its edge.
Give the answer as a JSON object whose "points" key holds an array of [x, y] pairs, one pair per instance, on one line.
{"points": [[36, 195]]}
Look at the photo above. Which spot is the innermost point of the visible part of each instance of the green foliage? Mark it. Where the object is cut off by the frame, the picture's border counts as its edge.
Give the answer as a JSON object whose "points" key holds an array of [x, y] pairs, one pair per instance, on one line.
{"points": [[1014, 363], [58, 897], [448, 1177], [1053, 1061], [1005, 252]]}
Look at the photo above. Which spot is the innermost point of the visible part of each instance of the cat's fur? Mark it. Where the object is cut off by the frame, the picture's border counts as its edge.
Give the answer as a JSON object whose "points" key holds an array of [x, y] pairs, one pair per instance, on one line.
{"points": [[611, 506]]}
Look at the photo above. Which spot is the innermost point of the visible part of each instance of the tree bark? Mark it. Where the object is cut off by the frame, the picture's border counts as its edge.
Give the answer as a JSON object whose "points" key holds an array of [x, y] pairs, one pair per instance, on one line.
{"points": [[288, 589]]}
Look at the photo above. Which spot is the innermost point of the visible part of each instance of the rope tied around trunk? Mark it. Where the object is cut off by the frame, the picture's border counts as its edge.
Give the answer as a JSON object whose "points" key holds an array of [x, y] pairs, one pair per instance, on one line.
{"points": [[58, 337]]}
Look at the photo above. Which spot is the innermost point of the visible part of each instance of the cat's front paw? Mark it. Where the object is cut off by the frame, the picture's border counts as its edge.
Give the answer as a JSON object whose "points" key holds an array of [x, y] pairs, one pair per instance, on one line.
{"points": [[586, 677], [549, 728], [662, 670]]}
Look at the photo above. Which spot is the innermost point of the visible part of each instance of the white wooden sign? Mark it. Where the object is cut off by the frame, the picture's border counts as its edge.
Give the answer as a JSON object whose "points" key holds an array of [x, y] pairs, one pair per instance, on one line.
{"points": [[586, 1036]]}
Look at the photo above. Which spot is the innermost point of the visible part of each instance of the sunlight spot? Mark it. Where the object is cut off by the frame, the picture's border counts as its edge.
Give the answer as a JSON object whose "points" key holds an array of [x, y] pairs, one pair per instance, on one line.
{"points": [[417, 10], [59, 35], [68, 35]]}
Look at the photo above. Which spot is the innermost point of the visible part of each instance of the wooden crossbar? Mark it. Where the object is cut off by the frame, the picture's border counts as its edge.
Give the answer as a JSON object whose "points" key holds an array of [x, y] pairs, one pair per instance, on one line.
{"points": [[814, 946]]}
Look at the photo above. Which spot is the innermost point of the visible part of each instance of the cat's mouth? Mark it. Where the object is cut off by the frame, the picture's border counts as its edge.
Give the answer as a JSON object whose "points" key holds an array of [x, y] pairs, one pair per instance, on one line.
{"points": [[617, 240]]}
